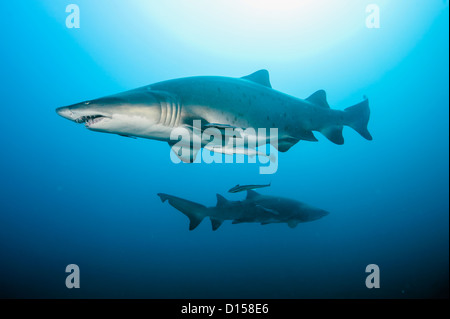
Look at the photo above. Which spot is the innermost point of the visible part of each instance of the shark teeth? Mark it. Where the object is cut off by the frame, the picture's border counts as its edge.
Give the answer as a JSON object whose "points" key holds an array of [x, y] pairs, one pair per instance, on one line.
{"points": [[89, 120]]}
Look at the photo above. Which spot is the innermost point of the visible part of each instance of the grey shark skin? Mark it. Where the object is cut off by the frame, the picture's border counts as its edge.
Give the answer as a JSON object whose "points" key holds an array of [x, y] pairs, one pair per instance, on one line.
{"points": [[153, 111], [256, 208]]}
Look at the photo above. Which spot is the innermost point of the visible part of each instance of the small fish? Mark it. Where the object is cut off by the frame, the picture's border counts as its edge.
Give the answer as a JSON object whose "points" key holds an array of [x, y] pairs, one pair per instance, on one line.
{"points": [[239, 188]]}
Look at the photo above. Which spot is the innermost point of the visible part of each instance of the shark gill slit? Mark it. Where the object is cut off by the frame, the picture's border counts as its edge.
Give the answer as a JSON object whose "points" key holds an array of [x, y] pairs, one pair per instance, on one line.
{"points": [[163, 114], [173, 105]]}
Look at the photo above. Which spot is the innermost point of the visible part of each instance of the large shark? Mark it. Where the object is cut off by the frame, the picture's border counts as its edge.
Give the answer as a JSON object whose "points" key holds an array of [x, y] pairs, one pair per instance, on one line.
{"points": [[256, 208], [220, 103]]}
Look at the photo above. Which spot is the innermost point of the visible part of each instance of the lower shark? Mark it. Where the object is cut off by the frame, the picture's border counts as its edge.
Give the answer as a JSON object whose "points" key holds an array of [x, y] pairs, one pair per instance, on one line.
{"points": [[219, 103], [256, 208]]}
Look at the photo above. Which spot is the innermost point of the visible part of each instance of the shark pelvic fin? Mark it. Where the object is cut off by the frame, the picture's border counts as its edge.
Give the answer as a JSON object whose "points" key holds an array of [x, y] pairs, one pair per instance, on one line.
{"points": [[319, 98], [260, 77]]}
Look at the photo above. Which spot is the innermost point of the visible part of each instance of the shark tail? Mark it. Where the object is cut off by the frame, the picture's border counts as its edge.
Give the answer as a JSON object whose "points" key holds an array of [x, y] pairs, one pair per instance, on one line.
{"points": [[357, 117], [194, 211]]}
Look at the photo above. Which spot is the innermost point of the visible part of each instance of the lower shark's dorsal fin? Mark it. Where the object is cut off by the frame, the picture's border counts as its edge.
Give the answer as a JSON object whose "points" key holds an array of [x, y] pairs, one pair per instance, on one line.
{"points": [[221, 201], [252, 194], [215, 223], [319, 98], [260, 77]]}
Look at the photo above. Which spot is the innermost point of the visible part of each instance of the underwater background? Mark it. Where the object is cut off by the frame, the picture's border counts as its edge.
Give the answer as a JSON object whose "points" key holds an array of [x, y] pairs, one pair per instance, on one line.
{"points": [[72, 196]]}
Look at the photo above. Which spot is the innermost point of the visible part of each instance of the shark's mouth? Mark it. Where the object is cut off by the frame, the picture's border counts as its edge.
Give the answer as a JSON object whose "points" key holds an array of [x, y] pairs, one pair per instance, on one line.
{"points": [[90, 120]]}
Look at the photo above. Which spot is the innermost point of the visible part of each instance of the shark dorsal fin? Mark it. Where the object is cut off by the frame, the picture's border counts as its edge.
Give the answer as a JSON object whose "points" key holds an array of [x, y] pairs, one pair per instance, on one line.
{"points": [[319, 98], [260, 77], [252, 194], [221, 201]]}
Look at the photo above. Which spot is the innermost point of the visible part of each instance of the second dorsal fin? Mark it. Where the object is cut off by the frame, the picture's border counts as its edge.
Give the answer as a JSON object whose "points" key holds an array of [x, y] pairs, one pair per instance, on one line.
{"points": [[319, 98]]}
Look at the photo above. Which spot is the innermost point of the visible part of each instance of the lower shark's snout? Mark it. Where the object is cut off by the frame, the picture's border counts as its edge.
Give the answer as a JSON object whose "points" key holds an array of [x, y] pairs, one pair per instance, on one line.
{"points": [[65, 112]]}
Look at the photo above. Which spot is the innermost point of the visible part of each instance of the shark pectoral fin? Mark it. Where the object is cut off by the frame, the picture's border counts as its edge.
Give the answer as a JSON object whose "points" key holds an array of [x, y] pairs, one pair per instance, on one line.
{"points": [[215, 223], [133, 137], [334, 134], [260, 77], [319, 98]]}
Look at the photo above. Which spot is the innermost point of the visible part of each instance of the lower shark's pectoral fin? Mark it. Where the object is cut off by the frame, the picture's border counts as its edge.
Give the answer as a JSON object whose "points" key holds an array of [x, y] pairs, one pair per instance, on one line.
{"points": [[215, 223], [334, 134]]}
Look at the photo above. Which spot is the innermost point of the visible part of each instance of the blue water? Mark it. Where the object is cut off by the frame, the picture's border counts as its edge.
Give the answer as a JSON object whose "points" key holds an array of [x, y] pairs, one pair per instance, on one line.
{"points": [[72, 196]]}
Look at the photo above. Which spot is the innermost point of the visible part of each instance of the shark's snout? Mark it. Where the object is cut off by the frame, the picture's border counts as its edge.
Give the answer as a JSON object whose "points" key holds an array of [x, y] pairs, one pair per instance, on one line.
{"points": [[65, 112]]}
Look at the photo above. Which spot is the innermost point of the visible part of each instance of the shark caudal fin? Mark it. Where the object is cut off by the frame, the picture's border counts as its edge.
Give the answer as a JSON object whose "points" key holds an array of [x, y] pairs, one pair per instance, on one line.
{"points": [[357, 117], [194, 211]]}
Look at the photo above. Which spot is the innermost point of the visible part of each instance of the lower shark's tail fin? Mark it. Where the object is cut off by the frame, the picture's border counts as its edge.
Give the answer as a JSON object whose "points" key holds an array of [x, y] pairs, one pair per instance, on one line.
{"points": [[357, 117], [195, 212]]}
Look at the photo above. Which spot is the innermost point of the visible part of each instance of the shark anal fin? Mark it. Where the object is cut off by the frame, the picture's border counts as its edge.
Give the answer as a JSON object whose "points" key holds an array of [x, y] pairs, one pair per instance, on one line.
{"points": [[319, 98], [334, 134], [260, 77]]}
